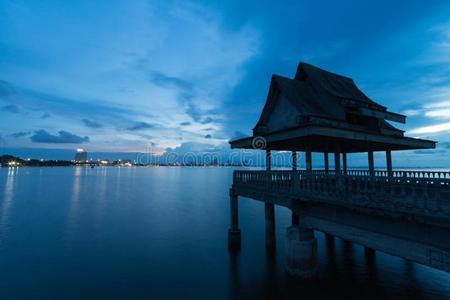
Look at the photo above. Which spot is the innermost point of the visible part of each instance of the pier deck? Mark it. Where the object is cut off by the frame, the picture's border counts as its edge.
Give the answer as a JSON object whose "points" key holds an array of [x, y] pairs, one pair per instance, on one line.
{"points": [[403, 213]]}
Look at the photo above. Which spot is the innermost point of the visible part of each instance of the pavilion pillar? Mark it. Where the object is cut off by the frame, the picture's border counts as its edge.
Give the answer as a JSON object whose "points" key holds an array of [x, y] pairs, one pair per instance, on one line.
{"points": [[234, 233], [326, 162], [308, 157], [269, 208], [295, 177], [389, 162], [294, 160], [344, 163], [268, 160], [371, 164], [337, 163]]}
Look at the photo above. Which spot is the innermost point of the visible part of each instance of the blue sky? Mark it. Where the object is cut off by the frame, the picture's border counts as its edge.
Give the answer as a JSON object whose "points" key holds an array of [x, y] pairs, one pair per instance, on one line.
{"points": [[129, 76]]}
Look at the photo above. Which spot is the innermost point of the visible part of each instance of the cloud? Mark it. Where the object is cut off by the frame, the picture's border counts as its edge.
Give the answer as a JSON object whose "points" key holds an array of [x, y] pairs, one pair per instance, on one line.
{"points": [[185, 123], [71, 108], [432, 129], [6, 89], [45, 116], [430, 152], [207, 120], [91, 124], [20, 134], [62, 137], [12, 108], [179, 60], [163, 80], [438, 50], [140, 126]]}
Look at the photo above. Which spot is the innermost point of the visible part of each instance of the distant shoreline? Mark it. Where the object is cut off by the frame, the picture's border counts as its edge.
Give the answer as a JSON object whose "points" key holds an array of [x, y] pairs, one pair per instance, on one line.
{"points": [[12, 161]]}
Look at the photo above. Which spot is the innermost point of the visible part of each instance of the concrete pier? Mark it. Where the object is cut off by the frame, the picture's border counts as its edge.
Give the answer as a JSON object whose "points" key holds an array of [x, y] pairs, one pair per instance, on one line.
{"points": [[402, 213], [301, 252], [234, 233]]}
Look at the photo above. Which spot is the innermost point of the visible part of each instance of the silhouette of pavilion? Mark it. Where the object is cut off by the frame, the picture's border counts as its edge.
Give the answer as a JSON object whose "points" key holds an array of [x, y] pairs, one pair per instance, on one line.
{"points": [[319, 111], [403, 213]]}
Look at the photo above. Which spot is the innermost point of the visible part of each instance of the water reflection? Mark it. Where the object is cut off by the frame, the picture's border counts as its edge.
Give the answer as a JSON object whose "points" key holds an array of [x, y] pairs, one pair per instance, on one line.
{"points": [[161, 233], [5, 205], [347, 271], [72, 217], [411, 289], [234, 276]]}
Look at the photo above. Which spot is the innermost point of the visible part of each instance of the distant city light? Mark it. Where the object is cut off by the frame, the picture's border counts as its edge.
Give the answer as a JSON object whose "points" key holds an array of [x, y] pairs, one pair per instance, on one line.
{"points": [[13, 163], [81, 155]]}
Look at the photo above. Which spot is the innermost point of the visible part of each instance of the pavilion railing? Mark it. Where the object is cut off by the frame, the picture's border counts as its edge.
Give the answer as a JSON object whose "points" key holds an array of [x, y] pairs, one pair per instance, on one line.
{"points": [[419, 192]]}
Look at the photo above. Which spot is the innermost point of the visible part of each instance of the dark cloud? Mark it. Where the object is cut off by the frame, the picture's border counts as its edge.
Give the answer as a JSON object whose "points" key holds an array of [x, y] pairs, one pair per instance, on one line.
{"points": [[140, 126], [45, 116], [198, 115], [91, 124], [193, 112], [208, 136], [12, 108], [63, 137], [20, 134], [6, 89], [207, 120], [51, 104], [185, 123], [430, 151], [163, 80], [445, 145]]}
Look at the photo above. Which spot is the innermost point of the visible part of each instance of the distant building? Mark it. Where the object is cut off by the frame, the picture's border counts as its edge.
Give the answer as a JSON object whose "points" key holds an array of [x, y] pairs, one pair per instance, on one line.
{"points": [[81, 155]]}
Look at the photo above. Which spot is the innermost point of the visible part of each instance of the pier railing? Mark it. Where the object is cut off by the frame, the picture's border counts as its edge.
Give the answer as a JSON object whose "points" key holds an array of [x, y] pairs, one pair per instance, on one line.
{"points": [[421, 193]]}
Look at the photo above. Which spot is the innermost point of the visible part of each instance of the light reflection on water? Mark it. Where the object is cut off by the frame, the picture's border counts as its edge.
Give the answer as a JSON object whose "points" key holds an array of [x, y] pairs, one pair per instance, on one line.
{"points": [[125, 233], [5, 205]]}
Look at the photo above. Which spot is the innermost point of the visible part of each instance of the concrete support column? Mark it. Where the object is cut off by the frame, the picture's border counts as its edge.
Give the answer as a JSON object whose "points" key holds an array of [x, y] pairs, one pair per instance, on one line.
{"points": [[329, 238], [308, 158], [337, 163], [389, 162], [270, 225], [369, 252], [234, 233], [295, 217], [344, 163], [371, 163], [301, 252], [326, 162], [268, 160], [294, 160]]}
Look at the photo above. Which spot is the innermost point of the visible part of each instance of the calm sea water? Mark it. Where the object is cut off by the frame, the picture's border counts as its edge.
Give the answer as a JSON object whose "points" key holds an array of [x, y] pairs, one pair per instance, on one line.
{"points": [[161, 233]]}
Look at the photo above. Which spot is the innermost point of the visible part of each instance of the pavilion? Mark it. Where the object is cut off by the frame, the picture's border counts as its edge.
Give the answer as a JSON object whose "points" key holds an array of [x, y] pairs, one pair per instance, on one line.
{"points": [[320, 111]]}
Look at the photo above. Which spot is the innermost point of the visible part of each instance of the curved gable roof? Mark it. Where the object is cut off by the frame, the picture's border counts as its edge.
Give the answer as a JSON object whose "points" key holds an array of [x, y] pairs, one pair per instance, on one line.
{"points": [[337, 85]]}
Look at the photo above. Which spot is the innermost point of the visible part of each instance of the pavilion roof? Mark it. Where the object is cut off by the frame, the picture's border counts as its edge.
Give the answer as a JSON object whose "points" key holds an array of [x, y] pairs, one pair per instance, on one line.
{"points": [[321, 110]]}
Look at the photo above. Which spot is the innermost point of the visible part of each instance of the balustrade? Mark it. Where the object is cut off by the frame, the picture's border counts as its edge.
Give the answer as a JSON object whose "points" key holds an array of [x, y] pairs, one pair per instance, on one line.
{"points": [[424, 191]]}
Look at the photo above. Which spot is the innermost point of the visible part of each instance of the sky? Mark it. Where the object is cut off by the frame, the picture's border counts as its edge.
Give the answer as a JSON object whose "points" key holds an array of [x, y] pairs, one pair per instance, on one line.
{"points": [[161, 76]]}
